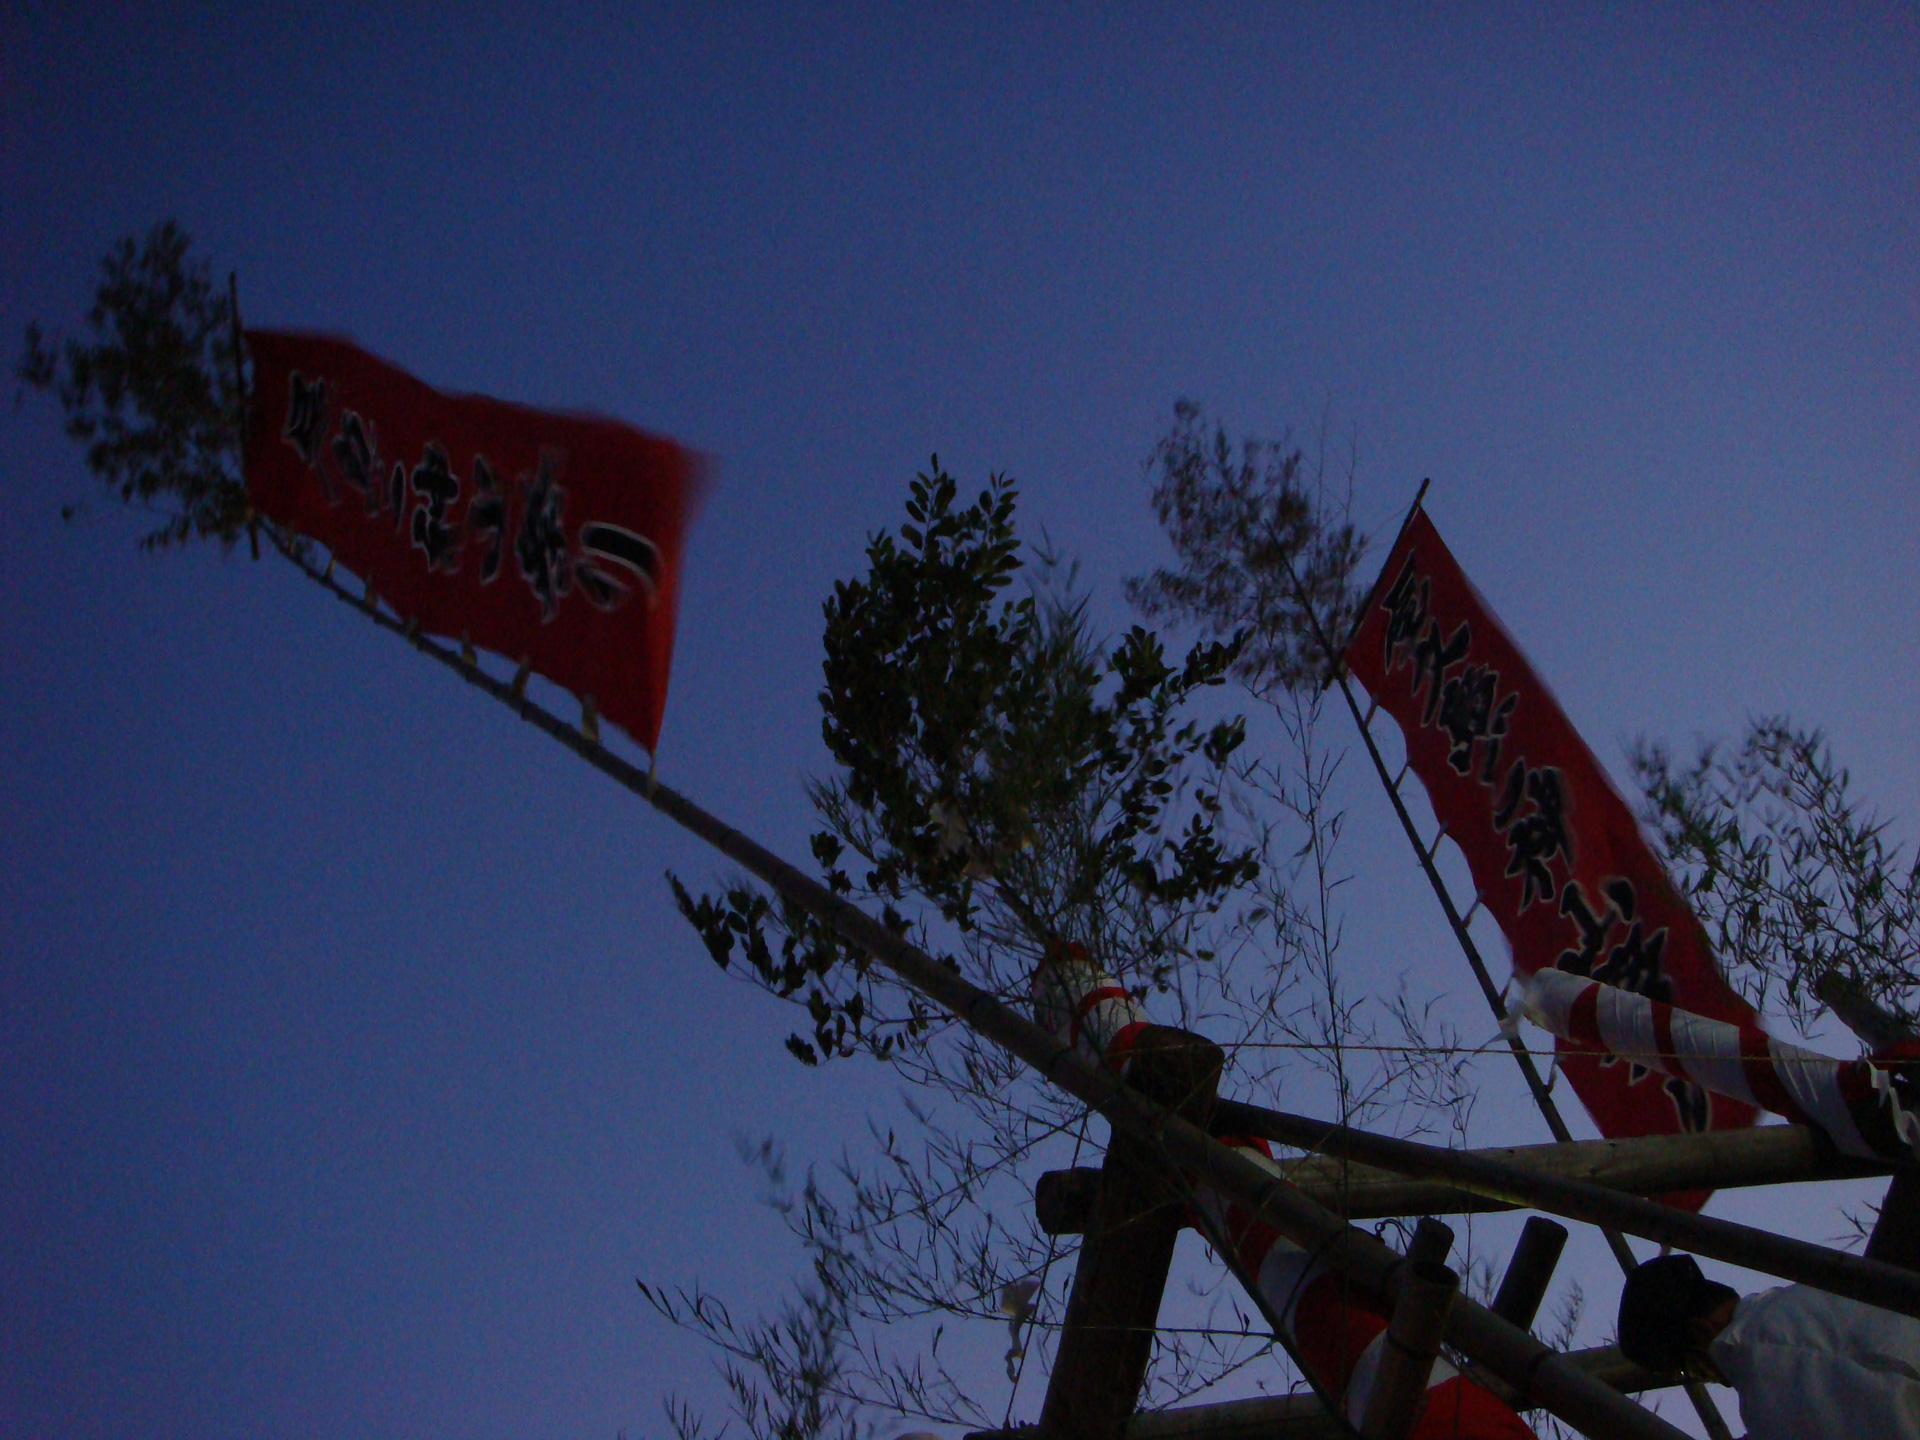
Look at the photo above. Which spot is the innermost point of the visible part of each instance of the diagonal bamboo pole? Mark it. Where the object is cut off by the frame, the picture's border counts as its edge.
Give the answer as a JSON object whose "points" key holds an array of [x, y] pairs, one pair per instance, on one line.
{"points": [[1541, 1376]]}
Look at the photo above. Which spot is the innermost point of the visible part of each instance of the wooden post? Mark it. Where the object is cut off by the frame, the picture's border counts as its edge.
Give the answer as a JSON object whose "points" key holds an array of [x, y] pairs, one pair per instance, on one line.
{"points": [[1114, 1306], [1063, 1200], [1432, 1242], [1529, 1270], [1412, 1344]]}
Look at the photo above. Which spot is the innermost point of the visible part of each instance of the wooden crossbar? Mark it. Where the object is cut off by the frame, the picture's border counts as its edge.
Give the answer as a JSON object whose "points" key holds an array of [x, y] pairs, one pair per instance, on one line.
{"points": [[1649, 1165]]}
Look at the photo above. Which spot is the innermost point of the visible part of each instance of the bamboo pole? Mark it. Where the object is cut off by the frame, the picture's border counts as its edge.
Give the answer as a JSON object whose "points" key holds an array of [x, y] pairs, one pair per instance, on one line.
{"points": [[1407, 1354], [1604, 1363], [1896, 1234], [1887, 1286], [1432, 1242], [1651, 1165], [1856, 1010], [1529, 1271]]}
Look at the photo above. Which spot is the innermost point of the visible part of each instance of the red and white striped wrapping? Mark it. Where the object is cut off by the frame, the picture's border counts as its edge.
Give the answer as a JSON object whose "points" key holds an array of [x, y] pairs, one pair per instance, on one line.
{"points": [[1857, 1103], [1087, 1008], [1337, 1330]]}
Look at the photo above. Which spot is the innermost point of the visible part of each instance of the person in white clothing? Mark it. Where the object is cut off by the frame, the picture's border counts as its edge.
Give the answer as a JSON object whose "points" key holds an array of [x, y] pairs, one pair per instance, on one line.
{"points": [[1805, 1363]]}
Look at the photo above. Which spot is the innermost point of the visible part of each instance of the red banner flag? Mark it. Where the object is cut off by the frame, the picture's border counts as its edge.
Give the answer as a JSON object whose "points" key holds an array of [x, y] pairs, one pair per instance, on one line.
{"points": [[1554, 851], [553, 540]]}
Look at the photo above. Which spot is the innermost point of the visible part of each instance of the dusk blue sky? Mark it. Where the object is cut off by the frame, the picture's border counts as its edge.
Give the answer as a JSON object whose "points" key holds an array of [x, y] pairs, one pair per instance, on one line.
{"points": [[353, 1062]]}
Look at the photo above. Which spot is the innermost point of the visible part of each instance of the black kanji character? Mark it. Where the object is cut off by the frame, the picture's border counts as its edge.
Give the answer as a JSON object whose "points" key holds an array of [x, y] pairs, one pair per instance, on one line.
{"points": [[435, 488], [393, 497], [356, 450], [1472, 711], [1433, 657], [1692, 1105], [1593, 929], [1406, 607], [306, 423], [541, 546], [1637, 962], [487, 518], [1538, 837], [606, 551]]}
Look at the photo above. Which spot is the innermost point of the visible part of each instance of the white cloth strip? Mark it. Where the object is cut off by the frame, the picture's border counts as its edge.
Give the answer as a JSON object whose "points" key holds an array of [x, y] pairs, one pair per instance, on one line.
{"points": [[1626, 1028], [1906, 1124], [1548, 996], [1814, 1083], [1710, 1055]]}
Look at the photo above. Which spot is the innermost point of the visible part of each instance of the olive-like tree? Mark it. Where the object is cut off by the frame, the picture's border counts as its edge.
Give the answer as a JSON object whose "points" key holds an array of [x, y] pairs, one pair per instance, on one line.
{"points": [[155, 391]]}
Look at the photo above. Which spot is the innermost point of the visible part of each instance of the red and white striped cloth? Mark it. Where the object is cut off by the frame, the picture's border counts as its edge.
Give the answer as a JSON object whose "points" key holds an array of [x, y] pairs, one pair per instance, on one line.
{"points": [[1858, 1103], [1337, 1330], [1089, 1010]]}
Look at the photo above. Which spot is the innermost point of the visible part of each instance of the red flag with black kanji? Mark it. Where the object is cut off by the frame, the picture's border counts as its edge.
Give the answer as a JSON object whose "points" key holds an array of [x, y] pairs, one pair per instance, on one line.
{"points": [[554, 540], [1554, 851]]}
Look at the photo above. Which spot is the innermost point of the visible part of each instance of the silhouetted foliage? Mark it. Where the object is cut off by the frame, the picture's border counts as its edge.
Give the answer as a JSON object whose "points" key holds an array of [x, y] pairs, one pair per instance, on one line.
{"points": [[153, 393], [792, 1376], [1793, 877], [999, 773], [1265, 547]]}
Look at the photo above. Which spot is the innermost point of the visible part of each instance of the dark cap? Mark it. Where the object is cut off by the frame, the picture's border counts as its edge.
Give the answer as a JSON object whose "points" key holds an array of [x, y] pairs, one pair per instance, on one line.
{"points": [[1656, 1304]]}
